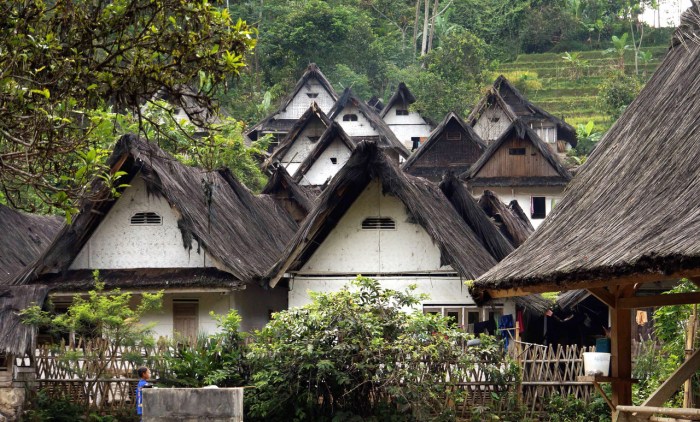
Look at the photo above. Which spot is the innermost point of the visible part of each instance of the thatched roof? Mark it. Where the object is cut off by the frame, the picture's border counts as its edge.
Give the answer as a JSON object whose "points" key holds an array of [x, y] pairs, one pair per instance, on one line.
{"points": [[511, 220], [632, 212], [314, 113], [286, 191], [386, 137], [15, 337], [283, 125], [242, 231], [516, 106], [402, 96], [474, 216], [376, 103], [198, 108], [424, 202], [519, 130], [425, 164], [333, 133], [24, 237]]}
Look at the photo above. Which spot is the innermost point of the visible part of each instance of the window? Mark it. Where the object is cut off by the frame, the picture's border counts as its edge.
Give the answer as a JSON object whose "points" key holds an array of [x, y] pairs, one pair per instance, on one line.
{"points": [[313, 138], [146, 219], [378, 223], [454, 136], [516, 151], [494, 119], [401, 112], [538, 207], [4, 362], [466, 316], [334, 160], [350, 118], [312, 94]]}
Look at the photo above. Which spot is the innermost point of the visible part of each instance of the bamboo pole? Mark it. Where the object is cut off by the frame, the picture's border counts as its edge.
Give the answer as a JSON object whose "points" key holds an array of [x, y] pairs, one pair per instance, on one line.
{"points": [[689, 346]]}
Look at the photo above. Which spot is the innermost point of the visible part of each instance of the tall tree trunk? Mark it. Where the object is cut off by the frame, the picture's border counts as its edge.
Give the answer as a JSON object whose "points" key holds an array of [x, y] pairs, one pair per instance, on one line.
{"points": [[426, 23], [432, 25], [415, 26]]}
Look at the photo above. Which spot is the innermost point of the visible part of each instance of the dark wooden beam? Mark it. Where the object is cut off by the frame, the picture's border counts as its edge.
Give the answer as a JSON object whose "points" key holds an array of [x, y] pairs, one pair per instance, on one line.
{"points": [[604, 295], [659, 300], [621, 352]]}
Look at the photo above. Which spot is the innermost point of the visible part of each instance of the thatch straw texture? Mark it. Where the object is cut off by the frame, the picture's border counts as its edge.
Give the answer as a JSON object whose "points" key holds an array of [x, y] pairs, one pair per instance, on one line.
{"points": [[242, 231], [333, 133], [24, 237], [472, 214], [511, 220], [15, 337], [633, 207], [403, 96], [287, 193], [424, 201]]}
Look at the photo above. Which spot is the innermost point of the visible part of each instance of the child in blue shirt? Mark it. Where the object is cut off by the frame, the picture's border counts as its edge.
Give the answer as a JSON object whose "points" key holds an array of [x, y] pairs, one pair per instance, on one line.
{"points": [[145, 374]]}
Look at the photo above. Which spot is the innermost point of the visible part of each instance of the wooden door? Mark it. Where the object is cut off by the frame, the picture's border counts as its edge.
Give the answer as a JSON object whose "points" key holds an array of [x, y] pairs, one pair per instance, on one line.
{"points": [[185, 319]]}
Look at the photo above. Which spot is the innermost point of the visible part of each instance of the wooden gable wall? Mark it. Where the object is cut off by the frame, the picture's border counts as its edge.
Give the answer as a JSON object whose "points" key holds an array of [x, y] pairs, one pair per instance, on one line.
{"points": [[447, 153], [504, 164]]}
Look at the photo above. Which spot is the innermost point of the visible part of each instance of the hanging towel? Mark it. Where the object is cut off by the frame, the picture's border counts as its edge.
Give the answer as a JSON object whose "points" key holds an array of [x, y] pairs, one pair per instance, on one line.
{"points": [[642, 318], [504, 323], [520, 321]]}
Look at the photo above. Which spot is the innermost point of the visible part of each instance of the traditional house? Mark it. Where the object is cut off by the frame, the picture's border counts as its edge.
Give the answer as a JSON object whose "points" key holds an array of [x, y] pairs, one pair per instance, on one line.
{"points": [[201, 236], [408, 125], [452, 146], [503, 104], [373, 219], [313, 87], [520, 166], [362, 123], [629, 218], [329, 155], [301, 140], [511, 220]]}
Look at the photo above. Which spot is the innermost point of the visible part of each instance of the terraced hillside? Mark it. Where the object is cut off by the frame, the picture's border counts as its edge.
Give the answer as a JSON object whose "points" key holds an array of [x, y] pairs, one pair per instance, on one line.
{"points": [[566, 95]]}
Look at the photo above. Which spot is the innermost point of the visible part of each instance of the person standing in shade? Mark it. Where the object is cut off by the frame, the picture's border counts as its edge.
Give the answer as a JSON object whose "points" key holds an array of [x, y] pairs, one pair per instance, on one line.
{"points": [[144, 375]]}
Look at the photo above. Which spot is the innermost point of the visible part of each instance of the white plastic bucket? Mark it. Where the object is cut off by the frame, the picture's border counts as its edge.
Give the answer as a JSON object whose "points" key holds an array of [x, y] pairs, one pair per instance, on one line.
{"points": [[596, 363]]}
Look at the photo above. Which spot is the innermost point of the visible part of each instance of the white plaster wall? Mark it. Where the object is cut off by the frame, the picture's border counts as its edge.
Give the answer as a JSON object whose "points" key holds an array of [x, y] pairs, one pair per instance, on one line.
{"points": [[361, 127], [407, 127], [523, 195], [253, 304], [302, 146], [301, 101], [323, 168], [118, 244], [442, 290], [490, 131], [350, 250]]}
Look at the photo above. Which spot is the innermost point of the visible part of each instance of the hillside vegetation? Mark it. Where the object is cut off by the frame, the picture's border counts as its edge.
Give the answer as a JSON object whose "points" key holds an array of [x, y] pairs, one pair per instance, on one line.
{"points": [[570, 96]]}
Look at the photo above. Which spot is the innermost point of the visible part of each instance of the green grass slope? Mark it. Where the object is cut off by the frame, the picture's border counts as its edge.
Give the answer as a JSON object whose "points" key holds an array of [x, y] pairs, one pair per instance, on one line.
{"points": [[572, 97]]}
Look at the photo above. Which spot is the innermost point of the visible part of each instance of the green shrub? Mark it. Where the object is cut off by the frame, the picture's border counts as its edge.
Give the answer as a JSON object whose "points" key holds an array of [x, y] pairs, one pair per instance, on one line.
{"points": [[43, 408], [571, 409]]}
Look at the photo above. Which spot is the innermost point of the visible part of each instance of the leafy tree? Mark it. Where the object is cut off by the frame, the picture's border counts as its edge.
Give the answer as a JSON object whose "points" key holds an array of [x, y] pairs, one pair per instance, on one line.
{"points": [[616, 92], [619, 48], [357, 354], [587, 138], [61, 60], [102, 327]]}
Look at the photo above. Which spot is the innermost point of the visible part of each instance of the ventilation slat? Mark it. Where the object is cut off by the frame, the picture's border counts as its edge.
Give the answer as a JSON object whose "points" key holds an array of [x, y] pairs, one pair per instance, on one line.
{"points": [[146, 218], [378, 223]]}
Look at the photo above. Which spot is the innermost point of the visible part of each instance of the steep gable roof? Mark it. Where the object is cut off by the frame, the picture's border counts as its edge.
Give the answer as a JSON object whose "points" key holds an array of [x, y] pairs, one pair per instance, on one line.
{"points": [[511, 219], [314, 113], [519, 130], [402, 96], [387, 139], [632, 211], [242, 231], [424, 201], [282, 187], [24, 237], [334, 132], [435, 138], [475, 217], [516, 106]]}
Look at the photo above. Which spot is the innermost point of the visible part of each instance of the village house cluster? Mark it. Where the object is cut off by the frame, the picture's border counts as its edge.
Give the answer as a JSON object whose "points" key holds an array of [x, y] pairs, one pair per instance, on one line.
{"points": [[353, 189]]}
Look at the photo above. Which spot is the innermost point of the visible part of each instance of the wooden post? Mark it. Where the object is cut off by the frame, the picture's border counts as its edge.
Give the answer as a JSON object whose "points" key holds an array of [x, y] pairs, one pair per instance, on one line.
{"points": [[689, 346], [621, 355]]}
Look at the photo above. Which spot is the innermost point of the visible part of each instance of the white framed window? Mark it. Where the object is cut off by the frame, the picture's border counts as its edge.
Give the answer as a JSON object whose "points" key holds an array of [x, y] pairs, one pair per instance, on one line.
{"points": [[147, 218], [350, 117], [466, 316]]}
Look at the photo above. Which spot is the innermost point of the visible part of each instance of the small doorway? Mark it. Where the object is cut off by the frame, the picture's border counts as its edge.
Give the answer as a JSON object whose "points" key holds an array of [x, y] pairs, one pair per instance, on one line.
{"points": [[185, 318]]}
